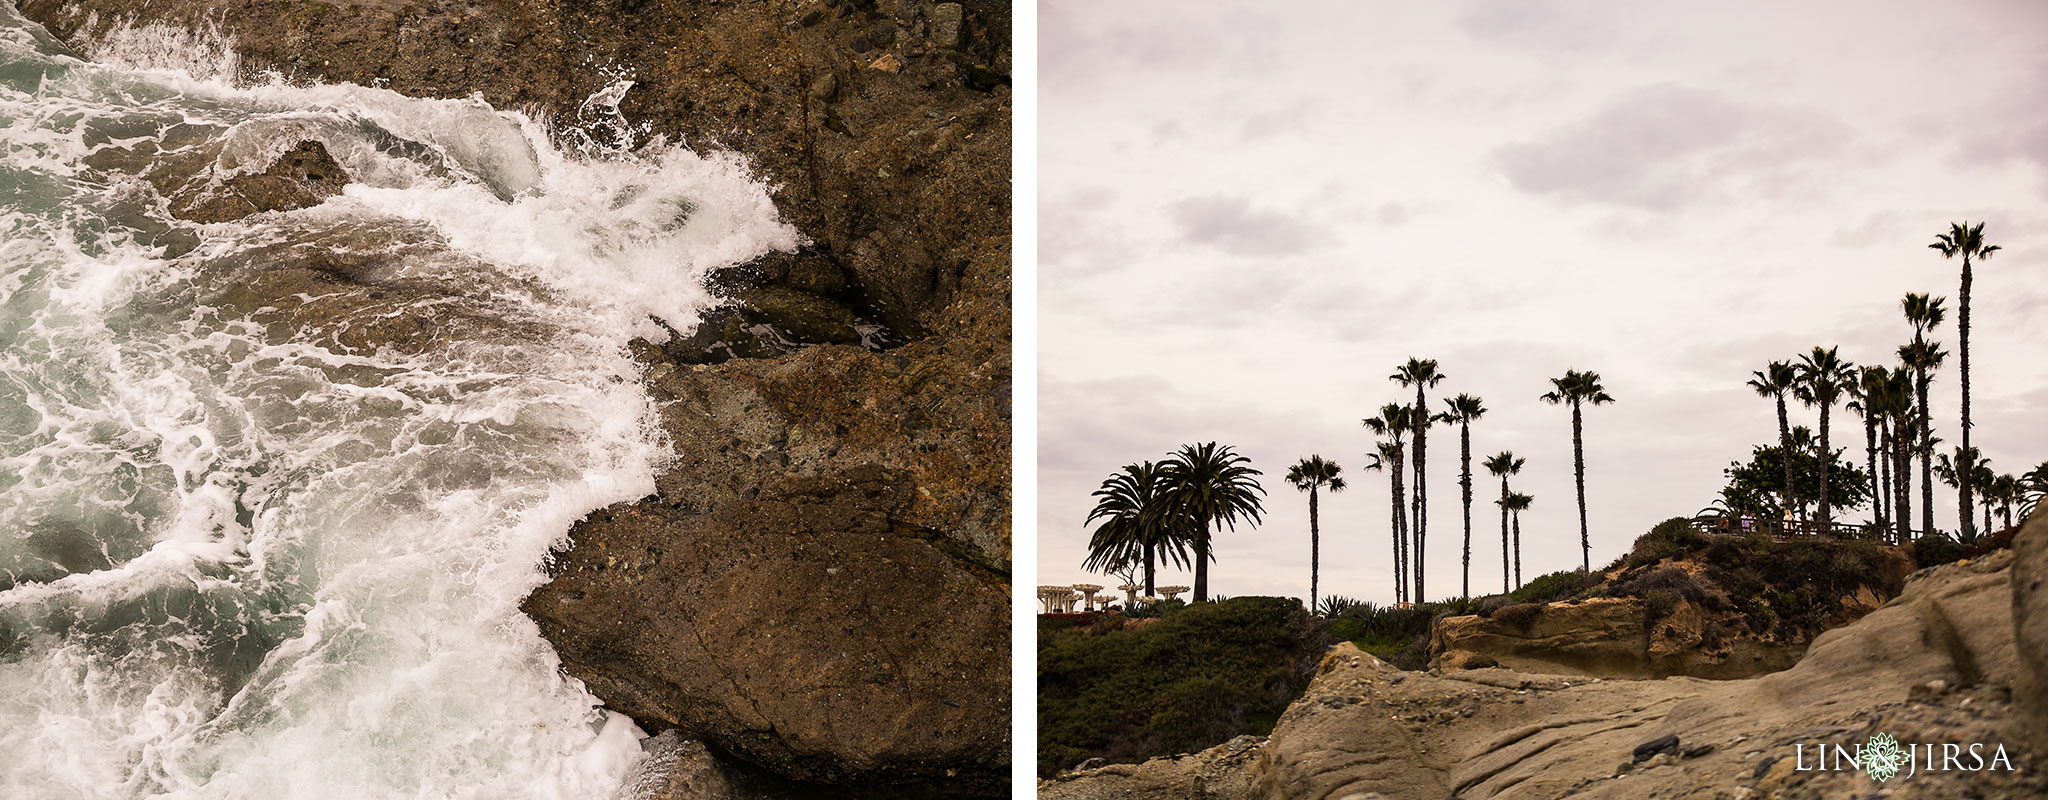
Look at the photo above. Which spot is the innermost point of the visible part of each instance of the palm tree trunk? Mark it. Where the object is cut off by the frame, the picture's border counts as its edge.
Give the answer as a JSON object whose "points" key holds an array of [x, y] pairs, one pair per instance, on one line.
{"points": [[1785, 446], [1420, 547], [1827, 464], [1926, 460], [1518, 549], [1465, 484], [1902, 477], [1315, 550], [1150, 552], [1884, 478], [1963, 330], [1870, 453], [1579, 473], [1400, 538], [1504, 585], [1202, 564]]}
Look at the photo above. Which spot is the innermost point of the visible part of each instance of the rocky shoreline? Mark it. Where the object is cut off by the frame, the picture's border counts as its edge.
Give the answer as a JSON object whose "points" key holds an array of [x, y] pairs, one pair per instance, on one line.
{"points": [[820, 586]]}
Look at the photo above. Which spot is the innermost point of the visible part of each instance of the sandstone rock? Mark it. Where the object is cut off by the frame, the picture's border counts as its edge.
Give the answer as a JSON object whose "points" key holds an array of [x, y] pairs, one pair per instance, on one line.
{"points": [[1605, 637], [2030, 629]]}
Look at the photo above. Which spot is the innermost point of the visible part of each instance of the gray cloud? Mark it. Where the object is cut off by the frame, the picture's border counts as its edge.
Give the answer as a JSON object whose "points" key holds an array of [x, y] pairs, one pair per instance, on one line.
{"points": [[1538, 24], [1664, 147], [1233, 225]]}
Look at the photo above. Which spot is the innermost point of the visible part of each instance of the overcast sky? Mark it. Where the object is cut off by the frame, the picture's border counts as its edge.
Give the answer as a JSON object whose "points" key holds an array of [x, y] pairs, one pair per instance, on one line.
{"points": [[1250, 214]]}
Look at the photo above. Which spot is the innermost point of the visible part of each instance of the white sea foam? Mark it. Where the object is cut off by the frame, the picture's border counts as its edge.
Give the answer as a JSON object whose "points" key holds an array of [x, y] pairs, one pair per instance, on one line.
{"points": [[240, 564]]}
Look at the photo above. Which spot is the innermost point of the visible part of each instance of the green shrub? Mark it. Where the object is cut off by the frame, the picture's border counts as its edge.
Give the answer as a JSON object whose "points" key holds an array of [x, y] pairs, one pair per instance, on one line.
{"points": [[1661, 603], [1672, 537], [1667, 579], [1159, 609], [1546, 588], [1197, 677], [1935, 549]]}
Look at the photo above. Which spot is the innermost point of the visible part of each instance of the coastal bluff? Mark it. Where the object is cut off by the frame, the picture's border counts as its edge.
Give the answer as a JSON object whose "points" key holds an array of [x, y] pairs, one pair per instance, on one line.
{"points": [[1942, 662]]}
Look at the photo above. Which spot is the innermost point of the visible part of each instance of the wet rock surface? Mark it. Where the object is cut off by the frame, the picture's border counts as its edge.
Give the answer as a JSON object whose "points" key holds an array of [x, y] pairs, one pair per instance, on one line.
{"points": [[1367, 729], [849, 410]]}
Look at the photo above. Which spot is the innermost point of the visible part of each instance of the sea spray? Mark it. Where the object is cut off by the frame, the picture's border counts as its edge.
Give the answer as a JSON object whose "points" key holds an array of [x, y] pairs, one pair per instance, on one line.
{"points": [[238, 559]]}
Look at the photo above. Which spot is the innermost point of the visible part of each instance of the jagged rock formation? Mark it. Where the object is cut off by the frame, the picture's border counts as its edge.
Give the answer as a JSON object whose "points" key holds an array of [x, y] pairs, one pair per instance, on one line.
{"points": [[1613, 638], [885, 126], [1683, 603], [1936, 664]]}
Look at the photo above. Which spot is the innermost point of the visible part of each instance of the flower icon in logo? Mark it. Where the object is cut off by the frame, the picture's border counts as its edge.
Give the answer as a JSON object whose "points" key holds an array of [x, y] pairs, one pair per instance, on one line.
{"points": [[1882, 757]]}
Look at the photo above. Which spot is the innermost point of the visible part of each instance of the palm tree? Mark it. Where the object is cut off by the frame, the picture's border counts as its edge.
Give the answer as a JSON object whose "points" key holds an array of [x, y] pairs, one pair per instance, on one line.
{"points": [[1503, 464], [1308, 475], [1577, 389], [1462, 410], [1390, 453], [1955, 467], [1518, 503], [1893, 405], [2005, 490], [1392, 424], [1966, 240], [1925, 357], [2033, 486], [1774, 381], [1822, 375], [1206, 484], [1133, 527], [1422, 374], [1865, 386]]}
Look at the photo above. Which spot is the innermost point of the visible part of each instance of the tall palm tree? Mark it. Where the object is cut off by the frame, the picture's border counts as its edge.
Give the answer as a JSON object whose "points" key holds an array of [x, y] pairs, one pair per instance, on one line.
{"points": [[1392, 425], [1503, 464], [1133, 527], [1865, 387], [1822, 376], [1966, 240], [1206, 484], [1577, 389], [1925, 356], [1308, 475], [1518, 503], [1422, 374], [1389, 453], [1462, 410], [1893, 404], [1774, 381]]}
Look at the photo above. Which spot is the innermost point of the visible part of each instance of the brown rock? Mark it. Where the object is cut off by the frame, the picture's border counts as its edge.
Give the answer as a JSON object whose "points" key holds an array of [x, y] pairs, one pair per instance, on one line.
{"points": [[811, 629], [1604, 637], [303, 177], [2030, 631]]}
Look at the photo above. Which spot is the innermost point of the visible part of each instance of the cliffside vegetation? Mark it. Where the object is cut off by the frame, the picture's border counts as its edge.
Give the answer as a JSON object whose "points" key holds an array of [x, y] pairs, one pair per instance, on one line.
{"points": [[1125, 690]]}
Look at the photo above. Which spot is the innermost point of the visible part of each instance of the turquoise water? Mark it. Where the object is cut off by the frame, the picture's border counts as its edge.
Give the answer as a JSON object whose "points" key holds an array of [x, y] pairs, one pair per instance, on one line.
{"points": [[238, 560]]}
